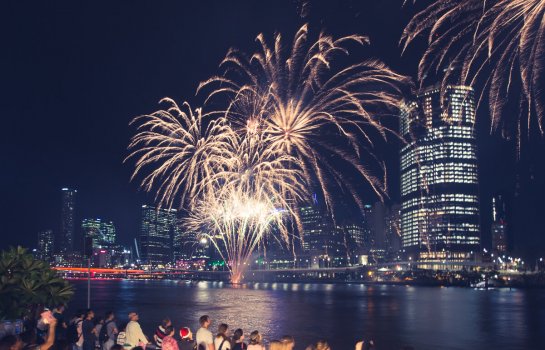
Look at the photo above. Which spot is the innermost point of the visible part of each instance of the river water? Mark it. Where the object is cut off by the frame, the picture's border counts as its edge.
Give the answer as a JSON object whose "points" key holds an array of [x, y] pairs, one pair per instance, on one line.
{"points": [[394, 316]]}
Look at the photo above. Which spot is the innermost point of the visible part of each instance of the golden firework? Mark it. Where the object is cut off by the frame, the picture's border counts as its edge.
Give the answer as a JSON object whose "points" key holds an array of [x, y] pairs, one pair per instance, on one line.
{"points": [[241, 170], [308, 107], [500, 41]]}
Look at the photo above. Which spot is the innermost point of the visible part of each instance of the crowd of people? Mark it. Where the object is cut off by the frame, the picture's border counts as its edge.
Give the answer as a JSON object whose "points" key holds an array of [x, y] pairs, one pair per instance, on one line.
{"points": [[86, 331]]}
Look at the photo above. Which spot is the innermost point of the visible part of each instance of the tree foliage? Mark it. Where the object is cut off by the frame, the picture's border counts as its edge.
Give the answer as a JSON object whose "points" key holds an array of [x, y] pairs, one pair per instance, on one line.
{"points": [[27, 283]]}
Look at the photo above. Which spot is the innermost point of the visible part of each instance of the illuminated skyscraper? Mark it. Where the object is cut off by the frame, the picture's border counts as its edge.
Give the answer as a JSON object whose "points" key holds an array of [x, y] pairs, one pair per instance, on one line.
{"points": [[156, 235], [499, 226], [321, 240], [357, 233], [65, 239], [367, 218], [439, 185], [102, 233], [45, 245], [108, 231], [186, 245]]}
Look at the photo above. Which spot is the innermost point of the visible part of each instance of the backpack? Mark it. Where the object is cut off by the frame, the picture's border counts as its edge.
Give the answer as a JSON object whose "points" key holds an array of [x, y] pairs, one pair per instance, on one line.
{"points": [[72, 335], [103, 335]]}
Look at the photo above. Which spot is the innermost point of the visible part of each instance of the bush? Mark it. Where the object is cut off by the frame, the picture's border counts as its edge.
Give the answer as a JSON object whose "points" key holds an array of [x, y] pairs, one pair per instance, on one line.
{"points": [[26, 284]]}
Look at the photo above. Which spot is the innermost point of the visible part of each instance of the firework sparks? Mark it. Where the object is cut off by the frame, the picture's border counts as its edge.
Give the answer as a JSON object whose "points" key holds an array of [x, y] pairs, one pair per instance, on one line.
{"points": [[234, 186], [182, 150], [503, 38], [236, 221], [243, 169], [295, 97]]}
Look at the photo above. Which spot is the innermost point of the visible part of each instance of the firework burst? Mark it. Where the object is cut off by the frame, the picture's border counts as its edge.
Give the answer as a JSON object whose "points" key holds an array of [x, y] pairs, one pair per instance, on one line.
{"points": [[181, 151], [236, 221], [300, 101], [234, 186], [502, 39], [241, 170]]}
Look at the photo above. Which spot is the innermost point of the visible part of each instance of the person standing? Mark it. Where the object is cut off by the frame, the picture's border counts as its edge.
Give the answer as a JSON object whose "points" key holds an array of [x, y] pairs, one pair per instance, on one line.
{"points": [[204, 337], [222, 340], [186, 342], [58, 313], [288, 341], [108, 332], [74, 332], [169, 343], [160, 332], [276, 345], [134, 334], [256, 341], [238, 340], [321, 345], [89, 331]]}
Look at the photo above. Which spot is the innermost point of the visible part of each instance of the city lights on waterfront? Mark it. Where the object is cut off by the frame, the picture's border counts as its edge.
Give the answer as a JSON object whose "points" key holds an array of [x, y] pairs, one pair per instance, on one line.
{"points": [[338, 170]]}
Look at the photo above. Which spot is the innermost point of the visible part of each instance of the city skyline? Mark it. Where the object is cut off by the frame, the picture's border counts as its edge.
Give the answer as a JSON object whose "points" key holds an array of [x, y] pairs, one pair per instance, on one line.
{"points": [[92, 161]]}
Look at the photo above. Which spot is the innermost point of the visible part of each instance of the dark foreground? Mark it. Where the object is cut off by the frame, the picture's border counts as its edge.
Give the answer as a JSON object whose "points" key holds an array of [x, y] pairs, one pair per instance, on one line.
{"points": [[423, 317]]}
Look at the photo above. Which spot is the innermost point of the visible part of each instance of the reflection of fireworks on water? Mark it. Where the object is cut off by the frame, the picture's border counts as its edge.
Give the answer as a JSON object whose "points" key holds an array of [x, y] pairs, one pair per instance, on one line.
{"points": [[503, 39], [299, 99]]}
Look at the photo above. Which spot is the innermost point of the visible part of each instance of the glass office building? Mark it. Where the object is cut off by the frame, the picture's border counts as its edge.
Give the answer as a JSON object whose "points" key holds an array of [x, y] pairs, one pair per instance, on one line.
{"points": [[157, 235], [439, 183]]}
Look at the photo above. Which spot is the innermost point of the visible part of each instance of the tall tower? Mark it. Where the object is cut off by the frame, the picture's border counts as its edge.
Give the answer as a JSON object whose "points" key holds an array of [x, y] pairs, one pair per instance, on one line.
{"points": [[499, 226], [45, 245], [102, 233], [65, 238], [322, 241], [156, 235], [439, 185]]}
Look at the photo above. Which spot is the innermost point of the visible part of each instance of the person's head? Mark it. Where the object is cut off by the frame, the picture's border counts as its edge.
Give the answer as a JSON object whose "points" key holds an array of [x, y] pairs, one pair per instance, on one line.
{"points": [[133, 316], [79, 313], [89, 314], [204, 321], [255, 338], [166, 322], [322, 345], [109, 316], [116, 347], [359, 345], [185, 333], [222, 330], [60, 308], [288, 341], [99, 320], [169, 330], [276, 345], [11, 342], [238, 336]]}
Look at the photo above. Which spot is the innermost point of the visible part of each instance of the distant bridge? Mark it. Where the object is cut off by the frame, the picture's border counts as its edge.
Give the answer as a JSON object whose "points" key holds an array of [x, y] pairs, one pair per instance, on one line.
{"points": [[81, 272]]}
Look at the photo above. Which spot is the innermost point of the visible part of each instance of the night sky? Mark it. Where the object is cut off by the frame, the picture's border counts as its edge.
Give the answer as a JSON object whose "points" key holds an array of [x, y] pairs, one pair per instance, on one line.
{"points": [[73, 74]]}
